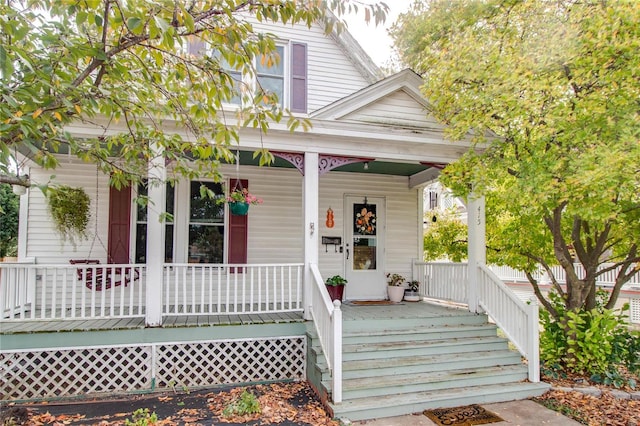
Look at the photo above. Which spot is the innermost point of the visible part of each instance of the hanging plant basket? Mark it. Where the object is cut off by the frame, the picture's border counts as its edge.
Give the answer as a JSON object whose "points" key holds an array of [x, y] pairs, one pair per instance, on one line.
{"points": [[238, 208], [69, 209]]}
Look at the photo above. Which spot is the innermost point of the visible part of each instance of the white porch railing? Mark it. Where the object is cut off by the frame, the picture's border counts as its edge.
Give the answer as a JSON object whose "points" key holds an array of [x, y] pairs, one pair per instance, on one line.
{"points": [[231, 288], [442, 280], [518, 320], [327, 318], [97, 291], [66, 292], [607, 279]]}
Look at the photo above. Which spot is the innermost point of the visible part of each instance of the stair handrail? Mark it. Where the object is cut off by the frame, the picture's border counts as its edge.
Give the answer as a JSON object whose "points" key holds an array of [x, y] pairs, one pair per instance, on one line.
{"points": [[518, 320], [327, 319]]}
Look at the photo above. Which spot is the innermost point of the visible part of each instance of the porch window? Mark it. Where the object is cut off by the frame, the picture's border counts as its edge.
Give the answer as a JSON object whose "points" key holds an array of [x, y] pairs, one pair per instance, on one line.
{"points": [[206, 224], [141, 226]]}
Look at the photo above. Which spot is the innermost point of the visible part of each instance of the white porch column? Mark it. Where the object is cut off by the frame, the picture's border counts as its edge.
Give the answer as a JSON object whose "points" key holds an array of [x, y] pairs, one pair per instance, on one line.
{"points": [[310, 188], [155, 238], [477, 251]]}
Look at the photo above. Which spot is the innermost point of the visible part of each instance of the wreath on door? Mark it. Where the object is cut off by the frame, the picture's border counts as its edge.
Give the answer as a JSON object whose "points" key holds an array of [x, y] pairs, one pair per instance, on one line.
{"points": [[365, 219]]}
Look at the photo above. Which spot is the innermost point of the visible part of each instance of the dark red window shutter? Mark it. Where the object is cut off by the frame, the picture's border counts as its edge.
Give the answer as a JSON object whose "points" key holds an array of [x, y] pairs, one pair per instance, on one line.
{"points": [[119, 225], [299, 77], [238, 231]]}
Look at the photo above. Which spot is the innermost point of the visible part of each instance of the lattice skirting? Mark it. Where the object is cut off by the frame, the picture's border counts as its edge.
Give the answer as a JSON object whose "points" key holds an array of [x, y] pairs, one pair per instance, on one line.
{"points": [[69, 372]]}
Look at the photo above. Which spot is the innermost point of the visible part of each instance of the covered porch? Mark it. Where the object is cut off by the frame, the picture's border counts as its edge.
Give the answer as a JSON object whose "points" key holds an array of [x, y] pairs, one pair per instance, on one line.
{"points": [[216, 315]]}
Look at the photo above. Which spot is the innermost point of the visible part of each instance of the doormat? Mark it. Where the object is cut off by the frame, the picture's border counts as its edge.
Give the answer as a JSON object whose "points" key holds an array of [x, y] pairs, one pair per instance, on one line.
{"points": [[462, 416], [374, 302]]}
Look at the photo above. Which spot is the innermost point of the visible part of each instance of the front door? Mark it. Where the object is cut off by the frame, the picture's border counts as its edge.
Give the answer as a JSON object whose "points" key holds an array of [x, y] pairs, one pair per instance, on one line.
{"points": [[364, 248]]}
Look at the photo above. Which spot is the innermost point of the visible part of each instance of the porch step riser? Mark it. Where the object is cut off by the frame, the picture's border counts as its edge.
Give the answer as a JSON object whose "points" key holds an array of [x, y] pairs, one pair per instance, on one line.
{"points": [[401, 323], [403, 353], [401, 365], [397, 405], [437, 365], [419, 335], [412, 347], [452, 382]]}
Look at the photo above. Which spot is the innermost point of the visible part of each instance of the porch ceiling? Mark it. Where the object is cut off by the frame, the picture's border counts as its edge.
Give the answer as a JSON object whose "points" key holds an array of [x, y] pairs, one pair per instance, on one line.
{"points": [[374, 167]]}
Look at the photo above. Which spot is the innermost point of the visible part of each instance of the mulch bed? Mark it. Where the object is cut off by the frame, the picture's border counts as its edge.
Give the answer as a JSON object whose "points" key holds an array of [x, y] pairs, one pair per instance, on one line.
{"points": [[286, 404]]}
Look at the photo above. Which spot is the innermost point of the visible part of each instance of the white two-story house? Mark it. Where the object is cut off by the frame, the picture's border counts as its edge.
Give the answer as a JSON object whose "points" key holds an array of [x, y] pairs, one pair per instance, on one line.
{"points": [[213, 297]]}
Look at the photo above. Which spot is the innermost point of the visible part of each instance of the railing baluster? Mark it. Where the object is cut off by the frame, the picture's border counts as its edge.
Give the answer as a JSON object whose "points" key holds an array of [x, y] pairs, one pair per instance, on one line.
{"points": [[260, 289], [219, 290], [251, 290]]}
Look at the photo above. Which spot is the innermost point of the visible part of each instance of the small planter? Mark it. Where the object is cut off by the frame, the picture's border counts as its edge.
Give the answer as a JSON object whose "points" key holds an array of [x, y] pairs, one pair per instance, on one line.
{"points": [[238, 208], [335, 287], [336, 292], [411, 296], [396, 293]]}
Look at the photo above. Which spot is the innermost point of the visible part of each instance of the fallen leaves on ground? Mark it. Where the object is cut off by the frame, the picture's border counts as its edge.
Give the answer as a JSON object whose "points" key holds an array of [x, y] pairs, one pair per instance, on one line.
{"points": [[281, 403], [276, 403], [591, 410]]}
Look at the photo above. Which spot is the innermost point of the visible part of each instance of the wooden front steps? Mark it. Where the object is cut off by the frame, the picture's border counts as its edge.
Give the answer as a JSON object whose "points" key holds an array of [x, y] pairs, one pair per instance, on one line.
{"points": [[404, 361]]}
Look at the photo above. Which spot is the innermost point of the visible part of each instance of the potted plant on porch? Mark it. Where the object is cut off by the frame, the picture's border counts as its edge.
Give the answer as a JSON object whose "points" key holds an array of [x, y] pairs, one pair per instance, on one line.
{"points": [[335, 287], [395, 287], [411, 294]]}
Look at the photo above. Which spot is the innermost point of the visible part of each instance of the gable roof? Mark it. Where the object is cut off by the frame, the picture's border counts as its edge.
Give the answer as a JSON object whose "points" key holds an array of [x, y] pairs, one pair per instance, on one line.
{"points": [[356, 54], [394, 101]]}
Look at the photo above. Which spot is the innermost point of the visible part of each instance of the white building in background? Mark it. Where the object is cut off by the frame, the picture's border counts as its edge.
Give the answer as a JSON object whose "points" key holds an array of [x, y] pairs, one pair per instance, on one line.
{"points": [[438, 199]]}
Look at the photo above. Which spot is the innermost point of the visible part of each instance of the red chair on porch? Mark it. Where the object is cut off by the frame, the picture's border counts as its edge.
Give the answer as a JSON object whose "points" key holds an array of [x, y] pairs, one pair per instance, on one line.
{"points": [[95, 278]]}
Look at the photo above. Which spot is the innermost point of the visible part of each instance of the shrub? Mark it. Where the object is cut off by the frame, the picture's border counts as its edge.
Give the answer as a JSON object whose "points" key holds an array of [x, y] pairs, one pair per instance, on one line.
{"points": [[597, 342]]}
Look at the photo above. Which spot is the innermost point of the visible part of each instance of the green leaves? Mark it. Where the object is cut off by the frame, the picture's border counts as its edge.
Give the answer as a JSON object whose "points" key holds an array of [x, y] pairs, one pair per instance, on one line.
{"points": [[126, 63], [548, 95]]}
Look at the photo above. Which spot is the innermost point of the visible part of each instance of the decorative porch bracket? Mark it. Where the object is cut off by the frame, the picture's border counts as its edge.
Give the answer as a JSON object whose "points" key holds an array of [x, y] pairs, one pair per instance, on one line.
{"points": [[326, 162], [330, 162]]}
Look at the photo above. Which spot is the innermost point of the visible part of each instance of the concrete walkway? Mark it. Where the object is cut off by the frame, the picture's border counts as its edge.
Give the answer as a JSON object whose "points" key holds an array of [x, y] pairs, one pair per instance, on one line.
{"points": [[521, 413]]}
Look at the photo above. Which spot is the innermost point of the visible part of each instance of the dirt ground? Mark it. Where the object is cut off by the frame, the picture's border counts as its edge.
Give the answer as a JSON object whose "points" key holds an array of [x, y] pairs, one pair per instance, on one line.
{"points": [[286, 404]]}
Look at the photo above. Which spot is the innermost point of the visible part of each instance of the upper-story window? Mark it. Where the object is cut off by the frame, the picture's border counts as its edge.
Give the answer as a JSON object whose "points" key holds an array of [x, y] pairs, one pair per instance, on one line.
{"points": [[271, 74], [237, 79], [286, 77]]}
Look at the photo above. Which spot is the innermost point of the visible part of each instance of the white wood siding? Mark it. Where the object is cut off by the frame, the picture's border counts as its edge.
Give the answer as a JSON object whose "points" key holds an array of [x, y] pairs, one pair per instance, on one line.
{"points": [[331, 75], [401, 218], [43, 243], [275, 227], [398, 108]]}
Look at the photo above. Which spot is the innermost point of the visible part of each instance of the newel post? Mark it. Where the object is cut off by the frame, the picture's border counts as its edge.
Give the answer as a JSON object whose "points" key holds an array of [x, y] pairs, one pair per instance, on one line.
{"points": [[337, 352], [311, 228], [477, 252], [533, 350], [157, 193]]}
